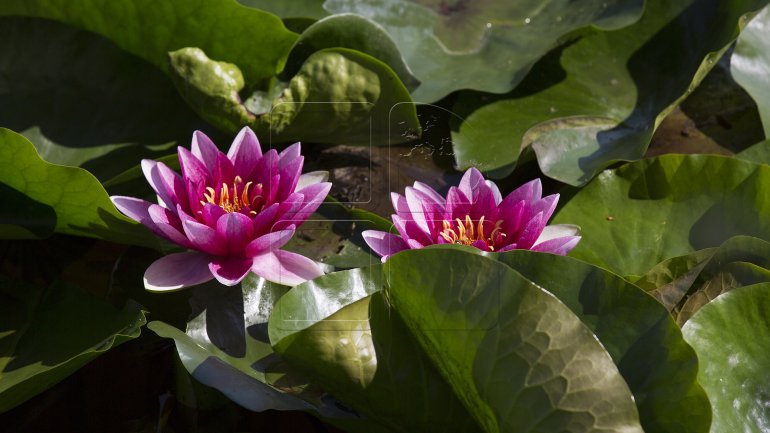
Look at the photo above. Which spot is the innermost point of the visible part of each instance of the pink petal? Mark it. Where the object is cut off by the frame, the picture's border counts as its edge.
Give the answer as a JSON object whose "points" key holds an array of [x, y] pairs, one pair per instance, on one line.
{"points": [[529, 192], [205, 150], [426, 213], [289, 154], [166, 183], [168, 224], [175, 271], [223, 171], [414, 244], [201, 236], [430, 192], [230, 270], [557, 231], [235, 230], [210, 214], [284, 217], [470, 184], [193, 170], [383, 243], [289, 176], [266, 168], [495, 192], [408, 229], [400, 205], [134, 208], [263, 222], [512, 213], [560, 246], [457, 204], [546, 205], [245, 152], [313, 196], [531, 231], [269, 242], [284, 267]]}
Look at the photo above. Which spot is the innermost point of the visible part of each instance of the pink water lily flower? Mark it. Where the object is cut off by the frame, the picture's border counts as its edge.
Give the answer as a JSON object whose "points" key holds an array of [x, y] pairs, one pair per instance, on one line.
{"points": [[233, 211], [474, 213]]}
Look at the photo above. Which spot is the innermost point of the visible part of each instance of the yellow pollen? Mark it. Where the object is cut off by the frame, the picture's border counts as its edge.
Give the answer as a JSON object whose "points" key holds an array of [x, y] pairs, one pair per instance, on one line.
{"points": [[234, 203], [466, 232]]}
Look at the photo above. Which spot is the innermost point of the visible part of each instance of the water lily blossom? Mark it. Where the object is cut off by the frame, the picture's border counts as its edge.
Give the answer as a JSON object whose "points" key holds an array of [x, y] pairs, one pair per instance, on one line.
{"points": [[234, 212], [474, 213]]}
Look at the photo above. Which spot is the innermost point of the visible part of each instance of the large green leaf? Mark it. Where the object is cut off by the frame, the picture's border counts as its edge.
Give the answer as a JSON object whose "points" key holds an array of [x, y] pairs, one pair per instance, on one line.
{"points": [[487, 45], [339, 331], [517, 357], [338, 96], [599, 99], [84, 102], [49, 332], [759, 153], [289, 9], [67, 200], [257, 41], [639, 334], [731, 336], [750, 63], [642, 213]]}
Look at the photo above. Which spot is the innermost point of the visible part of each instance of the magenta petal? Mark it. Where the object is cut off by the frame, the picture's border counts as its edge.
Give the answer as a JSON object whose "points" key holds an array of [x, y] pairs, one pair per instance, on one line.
{"points": [[560, 246], [266, 168], [284, 267], [546, 205], [408, 229], [193, 170], [269, 242], [313, 196], [512, 213], [203, 237], [289, 154], [531, 231], [263, 221], [235, 230], [400, 205], [414, 244], [383, 243], [529, 192], [284, 216], [166, 183], [289, 176], [245, 152], [230, 270], [457, 204], [205, 150], [175, 271], [495, 192], [168, 224], [426, 213], [210, 214]]}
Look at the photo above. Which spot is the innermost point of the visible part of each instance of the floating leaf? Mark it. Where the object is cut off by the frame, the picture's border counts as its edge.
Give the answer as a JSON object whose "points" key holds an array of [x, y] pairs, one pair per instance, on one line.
{"points": [[750, 63], [48, 333], [289, 9], [642, 213], [759, 153], [639, 334], [731, 336], [598, 100], [517, 357], [340, 331], [69, 200], [338, 95], [256, 41], [481, 45]]}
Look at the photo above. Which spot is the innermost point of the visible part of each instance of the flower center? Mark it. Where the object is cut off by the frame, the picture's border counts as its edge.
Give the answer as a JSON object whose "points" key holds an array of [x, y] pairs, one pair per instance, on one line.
{"points": [[232, 201], [465, 233]]}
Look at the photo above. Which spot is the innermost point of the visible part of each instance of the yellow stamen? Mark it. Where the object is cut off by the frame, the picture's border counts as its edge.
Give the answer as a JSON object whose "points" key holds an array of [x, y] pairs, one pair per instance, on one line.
{"points": [[235, 203], [466, 232]]}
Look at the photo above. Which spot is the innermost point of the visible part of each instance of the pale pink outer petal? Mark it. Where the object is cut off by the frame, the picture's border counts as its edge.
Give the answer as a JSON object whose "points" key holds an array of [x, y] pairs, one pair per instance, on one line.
{"points": [[169, 224], [205, 150], [400, 205], [311, 178], [557, 231], [383, 243], [269, 242], [176, 271], [313, 196], [158, 222], [230, 270], [284, 267], [430, 192], [134, 208], [245, 152], [166, 183], [408, 229], [560, 246], [470, 184]]}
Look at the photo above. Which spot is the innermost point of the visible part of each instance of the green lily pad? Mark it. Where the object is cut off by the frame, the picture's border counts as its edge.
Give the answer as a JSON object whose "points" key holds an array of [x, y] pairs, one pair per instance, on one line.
{"points": [[759, 153], [516, 356], [639, 334], [69, 200], [731, 336], [289, 9], [481, 45], [339, 330], [84, 102], [599, 99], [257, 41], [643, 213], [750, 63], [338, 95], [48, 333]]}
